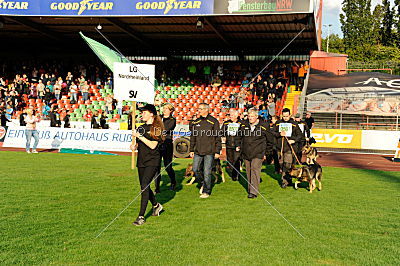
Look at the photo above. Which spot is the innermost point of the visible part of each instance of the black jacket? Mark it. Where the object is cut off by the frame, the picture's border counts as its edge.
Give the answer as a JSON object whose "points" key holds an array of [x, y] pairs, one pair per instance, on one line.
{"points": [[22, 122], [229, 134], [169, 125], [146, 155], [256, 143], [297, 136], [67, 121], [54, 122], [306, 129], [4, 119], [205, 136], [94, 123]]}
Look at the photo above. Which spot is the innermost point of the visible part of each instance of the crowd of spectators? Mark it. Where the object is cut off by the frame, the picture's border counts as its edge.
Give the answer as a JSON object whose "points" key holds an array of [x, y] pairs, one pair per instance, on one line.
{"points": [[49, 83]]}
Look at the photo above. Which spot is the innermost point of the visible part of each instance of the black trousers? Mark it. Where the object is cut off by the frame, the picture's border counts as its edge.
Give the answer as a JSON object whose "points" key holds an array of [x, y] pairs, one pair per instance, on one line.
{"points": [[233, 158], [273, 155], [167, 153], [299, 152], [146, 175]]}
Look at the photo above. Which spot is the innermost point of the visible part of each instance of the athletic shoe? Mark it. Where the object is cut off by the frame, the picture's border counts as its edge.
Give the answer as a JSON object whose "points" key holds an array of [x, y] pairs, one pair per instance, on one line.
{"points": [[157, 209], [139, 221], [34, 151], [204, 195], [28, 151], [251, 196]]}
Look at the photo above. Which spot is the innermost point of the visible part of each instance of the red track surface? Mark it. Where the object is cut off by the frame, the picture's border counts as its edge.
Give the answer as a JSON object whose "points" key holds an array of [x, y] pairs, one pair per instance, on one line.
{"points": [[344, 160]]}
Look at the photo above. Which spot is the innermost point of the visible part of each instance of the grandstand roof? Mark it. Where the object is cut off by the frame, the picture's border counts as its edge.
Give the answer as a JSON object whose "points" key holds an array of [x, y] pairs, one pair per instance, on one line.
{"points": [[256, 34]]}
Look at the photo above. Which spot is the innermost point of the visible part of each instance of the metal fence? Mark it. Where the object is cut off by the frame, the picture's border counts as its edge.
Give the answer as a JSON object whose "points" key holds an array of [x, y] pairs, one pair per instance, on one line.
{"points": [[366, 114]]}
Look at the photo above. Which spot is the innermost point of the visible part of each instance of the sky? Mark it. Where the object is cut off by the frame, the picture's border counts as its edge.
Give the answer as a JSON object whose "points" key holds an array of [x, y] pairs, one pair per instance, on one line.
{"points": [[330, 15]]}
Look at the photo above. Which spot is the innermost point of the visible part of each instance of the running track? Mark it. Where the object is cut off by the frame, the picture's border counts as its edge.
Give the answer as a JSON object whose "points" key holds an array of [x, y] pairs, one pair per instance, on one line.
{"points": [[343, 160]]}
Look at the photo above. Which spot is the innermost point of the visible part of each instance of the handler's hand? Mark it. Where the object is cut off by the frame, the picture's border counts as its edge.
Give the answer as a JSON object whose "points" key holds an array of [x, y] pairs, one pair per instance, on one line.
{"points": [[134, 147], [283, 133], [135, 133], [217, 155], [291, 141], [191, 154]]}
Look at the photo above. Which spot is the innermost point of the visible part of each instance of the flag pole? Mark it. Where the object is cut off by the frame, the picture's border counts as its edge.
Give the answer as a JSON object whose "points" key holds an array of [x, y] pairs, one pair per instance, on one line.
{"points": [[133, 108]]}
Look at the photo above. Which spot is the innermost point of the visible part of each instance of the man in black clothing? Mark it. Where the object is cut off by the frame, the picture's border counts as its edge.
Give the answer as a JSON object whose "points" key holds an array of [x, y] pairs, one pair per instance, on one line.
{"points": [[254, 141], [309, 120], [67, 120], [3, 118], [167, 149], [54, 118], [289, 134], [230, 129], [205, 145], [22, 116], [306, 135], [95, 122], [103, 121]]}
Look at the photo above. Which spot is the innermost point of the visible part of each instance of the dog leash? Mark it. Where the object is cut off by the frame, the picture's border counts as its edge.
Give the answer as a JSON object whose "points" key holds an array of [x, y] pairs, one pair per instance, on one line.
{"points": [[297, 159]]}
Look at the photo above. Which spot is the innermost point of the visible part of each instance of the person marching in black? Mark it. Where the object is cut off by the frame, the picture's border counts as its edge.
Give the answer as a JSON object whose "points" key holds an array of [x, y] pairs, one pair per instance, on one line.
{"points": [[148, 137], [167, 148], [306, 135], [205, 146], [289, 135], [273, 155], [230, 129], [254, 141]]}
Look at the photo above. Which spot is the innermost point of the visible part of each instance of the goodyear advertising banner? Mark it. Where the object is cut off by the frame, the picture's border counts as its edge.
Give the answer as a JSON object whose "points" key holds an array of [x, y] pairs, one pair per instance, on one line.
{"points": [[94, 8], [337, 138], [106, 7]]}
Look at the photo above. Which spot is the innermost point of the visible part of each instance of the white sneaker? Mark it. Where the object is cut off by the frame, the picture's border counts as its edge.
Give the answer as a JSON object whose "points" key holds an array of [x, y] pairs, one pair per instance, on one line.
{"points": [[28, 151], [204, 196], [34, 151]]}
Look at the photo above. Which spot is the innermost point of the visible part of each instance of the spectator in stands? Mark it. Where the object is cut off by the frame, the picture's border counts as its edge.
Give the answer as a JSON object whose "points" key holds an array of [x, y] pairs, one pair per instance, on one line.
{"points": [[54, 118], [119, 107], [22, 116], [57, 91], [31, 131], [95, 121], [69, 78], [40, 89], [109, 101], [301, 76], [85, 91], [295, 72], [103, 121], [216, 82], [271, 106], [207, 73], [88, 115], [48, 96], [66, 120], [50, 86], [9, 112], [73, 89], [309, 120], [3, 118]]}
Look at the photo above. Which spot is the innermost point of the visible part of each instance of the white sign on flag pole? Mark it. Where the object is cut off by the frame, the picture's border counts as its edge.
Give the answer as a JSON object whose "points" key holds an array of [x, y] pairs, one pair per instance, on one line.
{"points": [[134, 82]]}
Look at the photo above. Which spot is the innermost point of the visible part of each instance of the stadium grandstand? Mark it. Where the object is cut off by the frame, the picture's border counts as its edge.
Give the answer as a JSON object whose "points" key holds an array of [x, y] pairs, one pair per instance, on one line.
{"points": [[207, 58]]}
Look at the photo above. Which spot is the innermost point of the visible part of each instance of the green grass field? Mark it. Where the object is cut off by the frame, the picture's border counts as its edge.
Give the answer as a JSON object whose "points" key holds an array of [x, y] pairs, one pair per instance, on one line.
{"points": [[53, 206]]}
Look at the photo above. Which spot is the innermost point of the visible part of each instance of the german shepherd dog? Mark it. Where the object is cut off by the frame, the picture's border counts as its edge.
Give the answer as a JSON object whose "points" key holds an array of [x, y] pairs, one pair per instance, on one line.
{"points": [[309, 173], [311, 153], [216, 171]]}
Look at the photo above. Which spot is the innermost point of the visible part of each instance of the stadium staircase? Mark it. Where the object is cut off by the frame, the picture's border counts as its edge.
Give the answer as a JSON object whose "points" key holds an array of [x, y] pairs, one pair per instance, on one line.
{"points": [[292, 100]]}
